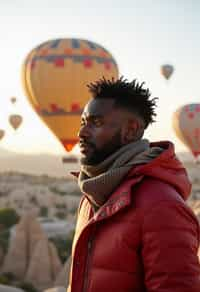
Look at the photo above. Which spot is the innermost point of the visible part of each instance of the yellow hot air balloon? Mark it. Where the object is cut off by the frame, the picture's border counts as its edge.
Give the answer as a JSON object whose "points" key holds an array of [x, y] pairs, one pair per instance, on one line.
{"points": [[186, 124], [167, 70], [54, 77], [2, 133], [15, 121]]}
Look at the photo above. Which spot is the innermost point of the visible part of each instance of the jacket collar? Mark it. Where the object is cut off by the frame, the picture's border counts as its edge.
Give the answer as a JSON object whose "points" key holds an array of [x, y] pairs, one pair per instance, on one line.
{"points": [[118, 200]]}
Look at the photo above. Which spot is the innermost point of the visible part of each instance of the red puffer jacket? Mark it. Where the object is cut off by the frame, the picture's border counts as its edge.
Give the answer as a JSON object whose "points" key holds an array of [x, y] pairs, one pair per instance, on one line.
{"points": [[144, 238]]}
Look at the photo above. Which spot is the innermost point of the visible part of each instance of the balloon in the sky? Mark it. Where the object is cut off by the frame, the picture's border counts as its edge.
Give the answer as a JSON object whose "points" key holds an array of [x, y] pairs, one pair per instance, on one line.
{"points": [[186, 123], [167, 70], [15, 121], [13, 99], [55, 75], [70, 159], [2, 133]]}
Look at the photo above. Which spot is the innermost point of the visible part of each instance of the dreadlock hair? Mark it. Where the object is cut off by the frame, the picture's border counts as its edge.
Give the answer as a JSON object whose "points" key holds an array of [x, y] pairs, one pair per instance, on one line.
{"points": [[128, 95]]}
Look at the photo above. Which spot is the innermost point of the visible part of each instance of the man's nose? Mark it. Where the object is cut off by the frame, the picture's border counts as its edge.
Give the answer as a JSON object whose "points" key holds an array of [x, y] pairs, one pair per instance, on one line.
{"points": [[84, 131]]}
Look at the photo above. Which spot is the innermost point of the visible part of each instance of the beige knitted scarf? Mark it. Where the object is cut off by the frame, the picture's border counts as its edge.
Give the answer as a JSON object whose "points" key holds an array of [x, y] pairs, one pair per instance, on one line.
{"points": [[99, 181]]}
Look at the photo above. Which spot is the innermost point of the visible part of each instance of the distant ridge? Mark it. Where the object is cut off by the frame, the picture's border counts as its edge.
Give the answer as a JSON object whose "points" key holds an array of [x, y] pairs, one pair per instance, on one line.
{"points": [[49, 164], [38, 164], [185, 156], [4, 152]]}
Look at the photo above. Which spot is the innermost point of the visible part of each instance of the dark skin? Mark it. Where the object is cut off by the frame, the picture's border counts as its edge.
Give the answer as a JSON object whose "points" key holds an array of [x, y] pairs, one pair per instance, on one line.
{"points": [[104, 129]]}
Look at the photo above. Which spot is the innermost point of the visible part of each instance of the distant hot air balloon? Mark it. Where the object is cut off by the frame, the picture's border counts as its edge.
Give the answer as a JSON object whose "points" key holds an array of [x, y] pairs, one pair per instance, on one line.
{"points": [[55, 75], [2, 133], [167, 70], [13, 99], [15, 121], [186, 124], [70, 159]]}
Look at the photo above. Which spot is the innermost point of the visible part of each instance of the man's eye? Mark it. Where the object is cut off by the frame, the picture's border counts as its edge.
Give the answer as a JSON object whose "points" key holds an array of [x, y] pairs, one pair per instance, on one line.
{"points": [[97, 123]]}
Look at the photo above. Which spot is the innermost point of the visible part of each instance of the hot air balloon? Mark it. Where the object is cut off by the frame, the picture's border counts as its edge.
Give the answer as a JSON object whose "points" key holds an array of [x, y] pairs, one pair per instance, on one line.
{"points": [[2, 133], [54, 77], [186, 124], [13, 99], [15, 121], [167, 70], [70, 159]]}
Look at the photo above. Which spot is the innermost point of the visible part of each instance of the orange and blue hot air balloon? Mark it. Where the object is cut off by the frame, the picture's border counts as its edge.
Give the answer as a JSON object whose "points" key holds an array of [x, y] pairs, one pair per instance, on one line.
{"points": [[186, 124], [55, 75]]}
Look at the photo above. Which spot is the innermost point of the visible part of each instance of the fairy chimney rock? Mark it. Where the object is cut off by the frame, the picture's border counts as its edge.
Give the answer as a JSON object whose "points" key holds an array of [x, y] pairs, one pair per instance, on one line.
{"points": [[27, 233], [18, 251], [63, 277], [40, 272], [56, 264]]}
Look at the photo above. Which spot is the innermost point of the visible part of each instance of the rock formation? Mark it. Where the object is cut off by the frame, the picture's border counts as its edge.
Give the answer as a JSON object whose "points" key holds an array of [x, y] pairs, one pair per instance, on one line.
{"points": [[22, 244], [56, 264], [2, 254], [63, 277], [15, 261], [44, 265]]}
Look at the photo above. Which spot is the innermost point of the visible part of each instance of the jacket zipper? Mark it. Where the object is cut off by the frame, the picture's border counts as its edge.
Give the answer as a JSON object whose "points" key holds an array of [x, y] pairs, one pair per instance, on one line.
{"points": [[88, 261]]}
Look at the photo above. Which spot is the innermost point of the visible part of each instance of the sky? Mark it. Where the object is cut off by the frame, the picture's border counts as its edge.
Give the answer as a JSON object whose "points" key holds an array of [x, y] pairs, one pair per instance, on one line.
{"points": [[140, 34]]}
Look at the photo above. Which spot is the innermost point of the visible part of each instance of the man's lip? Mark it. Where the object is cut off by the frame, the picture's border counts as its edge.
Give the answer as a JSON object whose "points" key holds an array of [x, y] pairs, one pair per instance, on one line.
{"points": [[84, 144], [84, 147]]}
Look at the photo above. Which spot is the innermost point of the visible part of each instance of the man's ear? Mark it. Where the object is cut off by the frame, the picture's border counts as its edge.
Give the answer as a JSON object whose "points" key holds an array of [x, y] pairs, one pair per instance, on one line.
{"points": [[132, 131]]}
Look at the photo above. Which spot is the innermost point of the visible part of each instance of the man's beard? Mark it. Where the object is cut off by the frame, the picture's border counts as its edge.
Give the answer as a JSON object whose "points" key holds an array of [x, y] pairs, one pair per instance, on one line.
{"points": [[99, 155]]}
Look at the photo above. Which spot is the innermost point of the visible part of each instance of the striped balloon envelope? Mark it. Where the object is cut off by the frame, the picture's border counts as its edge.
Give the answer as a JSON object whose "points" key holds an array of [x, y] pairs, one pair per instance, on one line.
{"points": [[55, 75], [186, 124]]}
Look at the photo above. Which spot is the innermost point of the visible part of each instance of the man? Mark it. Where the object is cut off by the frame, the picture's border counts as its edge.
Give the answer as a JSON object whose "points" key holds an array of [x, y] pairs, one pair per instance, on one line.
{"points": [[134, 231]]}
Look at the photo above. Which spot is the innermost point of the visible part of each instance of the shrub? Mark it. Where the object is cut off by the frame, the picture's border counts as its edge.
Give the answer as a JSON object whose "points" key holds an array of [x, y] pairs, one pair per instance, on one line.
{"points": [[61, 214], [4, 240], [63, 246], [57, 191], [44, 211], [4, 280], [28, 287], [10, 276], [8, 218]]}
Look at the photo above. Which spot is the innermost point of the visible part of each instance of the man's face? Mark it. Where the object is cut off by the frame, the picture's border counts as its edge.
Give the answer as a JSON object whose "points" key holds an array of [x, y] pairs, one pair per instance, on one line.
{"points": [[100, 133]]}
